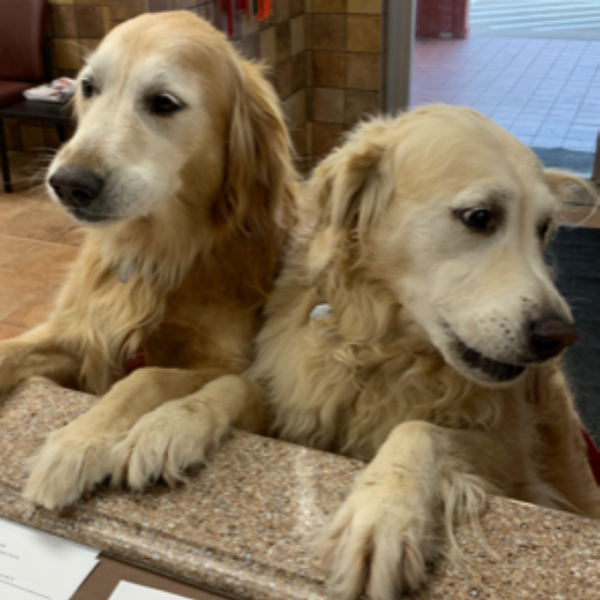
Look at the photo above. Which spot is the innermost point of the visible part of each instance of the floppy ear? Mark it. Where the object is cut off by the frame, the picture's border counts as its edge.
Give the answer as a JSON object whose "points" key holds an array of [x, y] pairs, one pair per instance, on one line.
{"points": [[351, 188], [571, 188], [260, 173]]}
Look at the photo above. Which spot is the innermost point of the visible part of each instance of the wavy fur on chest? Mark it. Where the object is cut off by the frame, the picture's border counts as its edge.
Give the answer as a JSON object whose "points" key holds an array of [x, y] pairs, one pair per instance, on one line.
{"points": [[343, 392], [106, 318]]}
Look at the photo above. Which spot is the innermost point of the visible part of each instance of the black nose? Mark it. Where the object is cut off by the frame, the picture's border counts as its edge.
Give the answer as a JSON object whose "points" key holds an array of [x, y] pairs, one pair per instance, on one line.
{"points": [[549, 336], [76, 186]]}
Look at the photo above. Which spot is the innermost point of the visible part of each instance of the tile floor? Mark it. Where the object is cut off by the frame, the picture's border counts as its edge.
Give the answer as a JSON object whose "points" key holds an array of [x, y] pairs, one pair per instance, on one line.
{"points": [[573, 20], [544, 91], [38, 242]]}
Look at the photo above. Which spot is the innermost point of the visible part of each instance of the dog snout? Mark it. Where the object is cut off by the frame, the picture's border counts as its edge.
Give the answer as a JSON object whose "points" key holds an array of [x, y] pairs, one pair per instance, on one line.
{"points": [[76, 187], [550, 335]]}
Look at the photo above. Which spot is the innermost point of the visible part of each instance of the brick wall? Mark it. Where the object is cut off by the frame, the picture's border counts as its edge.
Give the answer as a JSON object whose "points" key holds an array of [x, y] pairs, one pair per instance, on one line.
{"points": [[326, 64], [345, 42]]}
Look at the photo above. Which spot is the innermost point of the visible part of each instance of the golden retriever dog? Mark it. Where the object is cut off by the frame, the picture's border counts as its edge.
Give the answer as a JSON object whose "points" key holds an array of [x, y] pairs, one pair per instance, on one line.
{"points": [[438, 360], [181, 171]]}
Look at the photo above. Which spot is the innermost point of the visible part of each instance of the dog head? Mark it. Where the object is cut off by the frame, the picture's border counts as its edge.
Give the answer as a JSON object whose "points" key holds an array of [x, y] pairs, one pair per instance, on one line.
{"points": [[450, 214], [170, 116]]}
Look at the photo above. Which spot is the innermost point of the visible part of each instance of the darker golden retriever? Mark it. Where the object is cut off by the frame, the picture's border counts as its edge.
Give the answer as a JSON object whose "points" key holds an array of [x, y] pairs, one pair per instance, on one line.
{"points": [[181, 172]]}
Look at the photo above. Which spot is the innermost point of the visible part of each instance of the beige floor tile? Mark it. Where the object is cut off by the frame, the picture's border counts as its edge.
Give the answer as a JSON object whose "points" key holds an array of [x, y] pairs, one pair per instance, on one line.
{"points": [[9, 331], [32, 315], [35, 225], [12, 205], [45, 262], [45, 204], [17, 292], [31, 268], [38, 241], [13, 248], [70, 237]]}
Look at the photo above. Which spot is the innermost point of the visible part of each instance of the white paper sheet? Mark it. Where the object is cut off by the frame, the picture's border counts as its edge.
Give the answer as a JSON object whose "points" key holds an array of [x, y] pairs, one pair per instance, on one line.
{"points": [[38, 566], [130, 591]]}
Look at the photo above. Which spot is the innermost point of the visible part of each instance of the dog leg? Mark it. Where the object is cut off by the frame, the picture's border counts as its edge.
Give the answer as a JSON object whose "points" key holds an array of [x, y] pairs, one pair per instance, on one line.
{"points": [[182, 432], [40, 351], [77, 457], [392, 524]]}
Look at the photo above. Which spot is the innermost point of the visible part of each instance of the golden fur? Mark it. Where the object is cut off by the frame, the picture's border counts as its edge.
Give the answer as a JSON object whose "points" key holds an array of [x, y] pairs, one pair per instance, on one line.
{"points": [[197, 207], [381, 241]]}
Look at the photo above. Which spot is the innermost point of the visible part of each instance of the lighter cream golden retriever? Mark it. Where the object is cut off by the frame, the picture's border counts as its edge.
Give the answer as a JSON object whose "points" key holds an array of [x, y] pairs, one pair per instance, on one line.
{"points": [[181, 172], [438, 360]]}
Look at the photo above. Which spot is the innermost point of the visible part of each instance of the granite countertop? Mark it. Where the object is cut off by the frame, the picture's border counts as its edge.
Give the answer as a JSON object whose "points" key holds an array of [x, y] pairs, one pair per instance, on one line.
{"points": [[244, 526]]}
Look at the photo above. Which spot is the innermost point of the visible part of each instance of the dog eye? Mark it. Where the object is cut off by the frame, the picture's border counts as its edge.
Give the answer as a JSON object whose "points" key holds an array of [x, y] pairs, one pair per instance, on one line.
{"points": [[164, 105], [87, 88], [476, 218]]}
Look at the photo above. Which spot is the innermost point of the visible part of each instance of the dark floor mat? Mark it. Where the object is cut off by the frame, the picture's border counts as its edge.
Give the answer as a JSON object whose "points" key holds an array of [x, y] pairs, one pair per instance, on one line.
{"points": [[559, 158], [575, 254]]}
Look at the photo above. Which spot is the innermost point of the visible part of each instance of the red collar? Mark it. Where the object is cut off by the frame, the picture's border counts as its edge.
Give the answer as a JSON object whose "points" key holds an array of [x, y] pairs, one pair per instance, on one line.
{"points": [[135, 361], [593, 455]]}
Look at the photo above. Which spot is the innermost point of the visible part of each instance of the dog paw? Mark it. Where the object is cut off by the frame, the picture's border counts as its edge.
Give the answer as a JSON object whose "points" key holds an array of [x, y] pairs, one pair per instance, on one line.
{"points": [[164, 443], [380, 541], [68, 467]]}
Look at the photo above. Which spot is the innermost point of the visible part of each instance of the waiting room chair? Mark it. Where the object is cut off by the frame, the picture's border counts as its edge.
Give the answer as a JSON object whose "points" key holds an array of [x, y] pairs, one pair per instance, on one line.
{"points": [[24, 63]]}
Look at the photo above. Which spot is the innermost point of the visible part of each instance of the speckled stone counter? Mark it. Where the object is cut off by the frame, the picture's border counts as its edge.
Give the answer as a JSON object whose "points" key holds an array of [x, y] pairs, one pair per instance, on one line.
{"points": [[245, 525]]}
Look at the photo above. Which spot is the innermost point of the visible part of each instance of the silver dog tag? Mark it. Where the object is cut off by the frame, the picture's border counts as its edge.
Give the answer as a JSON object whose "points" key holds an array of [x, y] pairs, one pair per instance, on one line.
{"points": [[124, 272], [320, 311]]}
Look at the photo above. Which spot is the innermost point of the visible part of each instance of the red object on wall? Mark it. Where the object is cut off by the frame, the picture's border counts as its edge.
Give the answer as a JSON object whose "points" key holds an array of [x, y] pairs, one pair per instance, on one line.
{"points": [[261, 9], [443, 18]]}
